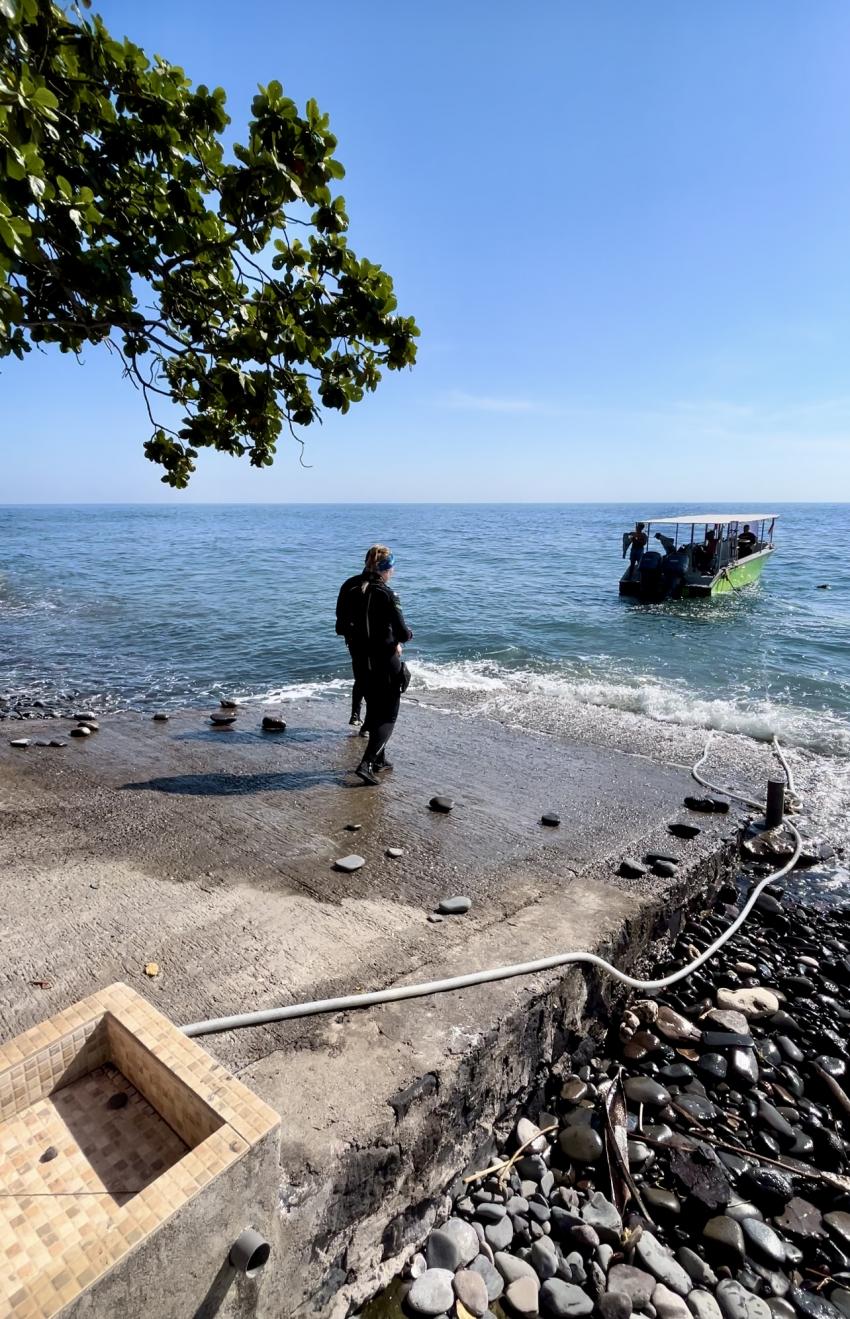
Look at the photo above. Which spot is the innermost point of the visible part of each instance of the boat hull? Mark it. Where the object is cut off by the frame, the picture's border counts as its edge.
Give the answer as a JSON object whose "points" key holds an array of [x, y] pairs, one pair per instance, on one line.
{"points": [[736, 575]]}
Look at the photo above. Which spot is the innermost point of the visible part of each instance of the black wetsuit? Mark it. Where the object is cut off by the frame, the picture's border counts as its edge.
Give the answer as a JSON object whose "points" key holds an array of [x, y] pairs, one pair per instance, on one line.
{"points": [[359, 666], [376, 626]]}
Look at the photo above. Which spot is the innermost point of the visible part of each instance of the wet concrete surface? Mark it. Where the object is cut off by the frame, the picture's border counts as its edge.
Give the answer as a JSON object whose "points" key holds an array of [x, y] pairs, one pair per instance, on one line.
{"points": [[211, 853]]}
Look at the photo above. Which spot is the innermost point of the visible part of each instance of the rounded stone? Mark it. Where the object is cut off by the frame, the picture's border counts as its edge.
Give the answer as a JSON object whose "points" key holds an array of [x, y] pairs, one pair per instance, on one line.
{"points": [[658, 1261], [452, 1245], [499, 1235], [643, 1090], [432, 1292], [349, 863], [696, 1268], [662, 1200], [702, 1305], [765, 1244], [550, 819], [442, 805], [395, 851], [669, 1305], [493, 1281], [512, 1267], [81, 731], [523, 1296], [753, 1003], [581, 1144], [544, 1258], [615, 1305], [737, 1303], [273, 724], [160, 718], [471, 1290], [529, 1135], [637, 1284], [602, 1216], [811, 1305], [838, 1226], [840, 1298], [454, 906], [725, 1237], [563, 1300]]}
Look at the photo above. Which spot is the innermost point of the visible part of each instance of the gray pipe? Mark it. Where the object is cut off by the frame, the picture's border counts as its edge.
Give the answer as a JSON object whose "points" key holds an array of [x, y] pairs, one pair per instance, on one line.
{"points": [[351, 1002]]}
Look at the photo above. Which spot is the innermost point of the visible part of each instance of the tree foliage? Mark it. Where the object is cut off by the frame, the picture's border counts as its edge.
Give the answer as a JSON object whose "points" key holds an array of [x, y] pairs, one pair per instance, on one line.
{"points": [[221, 276]]}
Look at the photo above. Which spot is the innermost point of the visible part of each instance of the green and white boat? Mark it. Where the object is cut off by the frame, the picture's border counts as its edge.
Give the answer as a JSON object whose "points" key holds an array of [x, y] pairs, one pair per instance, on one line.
{"points": [[696, 554]]}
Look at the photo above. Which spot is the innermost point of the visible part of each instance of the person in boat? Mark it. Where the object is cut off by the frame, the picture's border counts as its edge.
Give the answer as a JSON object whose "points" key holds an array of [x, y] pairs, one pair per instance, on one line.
{"points": [[635, 542], [746, 542], [674, 568], [704, 554], [667, 542], [378, 630], [344, 629]]}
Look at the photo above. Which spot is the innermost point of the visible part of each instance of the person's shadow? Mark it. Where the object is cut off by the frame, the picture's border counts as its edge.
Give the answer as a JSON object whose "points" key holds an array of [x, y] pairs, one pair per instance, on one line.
{"points": [[236, 785]]}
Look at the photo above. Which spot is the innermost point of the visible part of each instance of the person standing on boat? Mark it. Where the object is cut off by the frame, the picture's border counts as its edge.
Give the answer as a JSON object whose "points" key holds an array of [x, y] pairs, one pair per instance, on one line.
{"points": [[637, 540], [746, 542], [704, 554], [378, 631]]}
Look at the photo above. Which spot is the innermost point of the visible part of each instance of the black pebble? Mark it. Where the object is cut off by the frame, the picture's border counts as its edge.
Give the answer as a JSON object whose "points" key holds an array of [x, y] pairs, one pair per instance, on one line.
{"points": [[49, 1154], [550, 819], [441, 804], [119, 1100]]}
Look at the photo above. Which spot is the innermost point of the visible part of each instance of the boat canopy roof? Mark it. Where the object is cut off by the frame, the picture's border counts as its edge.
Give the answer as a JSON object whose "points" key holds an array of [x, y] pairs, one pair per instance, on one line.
{"points": [[687, 519]]}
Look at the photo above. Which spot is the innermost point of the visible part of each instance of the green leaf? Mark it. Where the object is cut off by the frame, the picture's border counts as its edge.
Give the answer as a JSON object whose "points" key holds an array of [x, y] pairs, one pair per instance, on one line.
{"points": [[8, 237], [44, 98]]}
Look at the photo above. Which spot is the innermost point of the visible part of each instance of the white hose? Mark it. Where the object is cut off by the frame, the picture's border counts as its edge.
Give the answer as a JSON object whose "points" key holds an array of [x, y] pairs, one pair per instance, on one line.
{"points": [[396, 995]]}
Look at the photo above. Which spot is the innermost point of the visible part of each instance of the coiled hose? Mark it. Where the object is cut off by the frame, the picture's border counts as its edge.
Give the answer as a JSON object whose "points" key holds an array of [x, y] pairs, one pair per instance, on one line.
{"points": [[397, 994]]}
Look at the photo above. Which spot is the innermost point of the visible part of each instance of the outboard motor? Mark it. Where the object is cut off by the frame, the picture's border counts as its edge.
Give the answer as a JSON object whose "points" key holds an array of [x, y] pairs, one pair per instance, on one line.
{"points": [[652, 585]]}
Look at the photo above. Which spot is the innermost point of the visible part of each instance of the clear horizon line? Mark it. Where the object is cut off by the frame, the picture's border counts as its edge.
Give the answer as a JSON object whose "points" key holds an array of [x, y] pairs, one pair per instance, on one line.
{"points": [[409, 503]]}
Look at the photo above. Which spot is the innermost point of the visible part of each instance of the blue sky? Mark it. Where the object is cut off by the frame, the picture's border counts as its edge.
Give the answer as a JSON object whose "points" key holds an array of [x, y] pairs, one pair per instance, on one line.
{"points": [[624, 230]]}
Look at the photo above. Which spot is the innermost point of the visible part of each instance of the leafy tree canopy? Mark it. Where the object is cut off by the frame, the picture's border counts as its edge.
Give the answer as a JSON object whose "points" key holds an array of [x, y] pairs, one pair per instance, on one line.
{"points": [[222, 279]]}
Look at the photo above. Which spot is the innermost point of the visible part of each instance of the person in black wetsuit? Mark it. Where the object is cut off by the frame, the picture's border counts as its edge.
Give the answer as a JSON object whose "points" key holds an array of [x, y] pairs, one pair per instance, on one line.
{"points": [[359, 668], [378, 631]]}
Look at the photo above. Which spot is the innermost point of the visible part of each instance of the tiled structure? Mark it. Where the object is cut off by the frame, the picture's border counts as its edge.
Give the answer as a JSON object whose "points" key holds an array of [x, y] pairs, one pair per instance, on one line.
{"points": [[112, 1124]]}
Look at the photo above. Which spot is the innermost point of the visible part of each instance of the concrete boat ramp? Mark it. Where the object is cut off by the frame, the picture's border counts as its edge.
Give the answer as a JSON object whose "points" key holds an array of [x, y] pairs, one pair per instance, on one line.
{"points": [[211, 854]]}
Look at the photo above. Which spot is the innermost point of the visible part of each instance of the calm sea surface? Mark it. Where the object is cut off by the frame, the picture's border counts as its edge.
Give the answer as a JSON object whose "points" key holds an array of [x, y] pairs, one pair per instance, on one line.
{"points": [[514, 607]]}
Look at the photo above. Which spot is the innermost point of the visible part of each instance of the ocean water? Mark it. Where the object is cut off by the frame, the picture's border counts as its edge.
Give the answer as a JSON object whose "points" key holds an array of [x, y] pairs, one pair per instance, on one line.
{"points": [[514, 607]]}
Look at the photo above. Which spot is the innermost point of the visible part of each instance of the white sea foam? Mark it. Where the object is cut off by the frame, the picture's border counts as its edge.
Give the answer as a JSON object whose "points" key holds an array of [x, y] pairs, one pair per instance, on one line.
{"points": [[512, 690], [298, 691]]}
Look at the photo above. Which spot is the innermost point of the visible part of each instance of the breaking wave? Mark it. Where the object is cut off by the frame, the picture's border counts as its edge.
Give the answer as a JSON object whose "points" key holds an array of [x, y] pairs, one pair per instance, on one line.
{"points": [[511, 693]]}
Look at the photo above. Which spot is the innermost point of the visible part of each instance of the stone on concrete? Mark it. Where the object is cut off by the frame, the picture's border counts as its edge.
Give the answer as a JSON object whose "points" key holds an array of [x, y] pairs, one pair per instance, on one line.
{"points": [[349, 863], [454, 906]]}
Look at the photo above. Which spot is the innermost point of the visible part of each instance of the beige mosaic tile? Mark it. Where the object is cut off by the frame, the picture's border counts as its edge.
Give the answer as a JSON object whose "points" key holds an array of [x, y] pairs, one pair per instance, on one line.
{"points": [[111, 1120]]}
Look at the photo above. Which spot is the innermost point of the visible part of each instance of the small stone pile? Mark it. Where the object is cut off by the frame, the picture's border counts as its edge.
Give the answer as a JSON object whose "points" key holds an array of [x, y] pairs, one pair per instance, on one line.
{"points": [[731, 1196]]}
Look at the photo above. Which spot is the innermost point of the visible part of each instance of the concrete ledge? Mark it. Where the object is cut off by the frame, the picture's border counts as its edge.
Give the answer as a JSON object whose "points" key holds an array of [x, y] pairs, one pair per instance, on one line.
{"points": [[212, 854]]}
